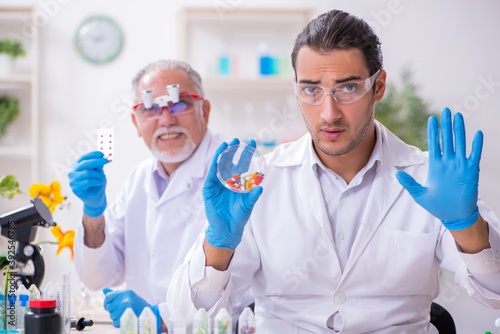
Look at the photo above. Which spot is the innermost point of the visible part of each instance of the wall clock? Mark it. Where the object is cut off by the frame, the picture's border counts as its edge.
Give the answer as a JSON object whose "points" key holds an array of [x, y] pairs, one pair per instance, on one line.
{"points": [[99, 39]]}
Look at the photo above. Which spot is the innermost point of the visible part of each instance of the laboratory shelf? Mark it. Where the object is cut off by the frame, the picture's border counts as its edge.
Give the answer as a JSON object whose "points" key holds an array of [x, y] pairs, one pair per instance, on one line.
{"points": [[19, 147]]}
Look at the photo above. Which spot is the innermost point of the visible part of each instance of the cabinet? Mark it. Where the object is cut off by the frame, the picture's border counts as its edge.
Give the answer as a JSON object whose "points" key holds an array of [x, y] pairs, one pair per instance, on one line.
{"points": [[19, 147], [243, 56]]}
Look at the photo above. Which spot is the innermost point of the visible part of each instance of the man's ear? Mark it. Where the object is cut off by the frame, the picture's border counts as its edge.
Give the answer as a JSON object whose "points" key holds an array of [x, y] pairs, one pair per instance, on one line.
{"points": [[136, 123], [206, 110], [380, 85]]}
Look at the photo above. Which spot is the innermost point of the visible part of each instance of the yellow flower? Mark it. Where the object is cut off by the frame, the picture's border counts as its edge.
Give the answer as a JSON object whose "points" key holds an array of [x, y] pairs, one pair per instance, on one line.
{"points": [[50, 195], [65, 239]]}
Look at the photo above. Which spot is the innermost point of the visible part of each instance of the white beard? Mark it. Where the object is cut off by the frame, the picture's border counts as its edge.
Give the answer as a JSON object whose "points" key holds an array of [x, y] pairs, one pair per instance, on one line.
{"points": [[179, 155]]}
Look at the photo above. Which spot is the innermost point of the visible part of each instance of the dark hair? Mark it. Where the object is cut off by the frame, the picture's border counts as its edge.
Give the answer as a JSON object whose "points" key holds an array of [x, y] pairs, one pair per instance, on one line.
{"points": [[340, 30]]}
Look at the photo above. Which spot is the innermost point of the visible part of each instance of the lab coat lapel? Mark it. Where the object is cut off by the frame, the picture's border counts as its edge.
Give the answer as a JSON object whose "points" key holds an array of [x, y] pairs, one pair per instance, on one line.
{"points": [[384, 191], [177, 185], [308, 188], [310, 193], [150, 185], [312, 196]]}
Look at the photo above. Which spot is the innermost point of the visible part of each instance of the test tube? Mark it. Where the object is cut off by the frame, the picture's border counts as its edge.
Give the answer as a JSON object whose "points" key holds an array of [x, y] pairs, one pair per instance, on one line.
{"points": [[201, 322], [128, 322], [58, 297], [66, 302], [223, 322], [147, 322], [246, 322]]}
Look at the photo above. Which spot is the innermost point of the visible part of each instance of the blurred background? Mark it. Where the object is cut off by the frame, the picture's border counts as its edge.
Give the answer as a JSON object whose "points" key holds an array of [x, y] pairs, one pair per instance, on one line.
{"points": [[438, 53]]}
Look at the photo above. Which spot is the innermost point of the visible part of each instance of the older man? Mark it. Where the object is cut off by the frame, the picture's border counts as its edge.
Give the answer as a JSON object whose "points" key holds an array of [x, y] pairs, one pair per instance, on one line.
{"points": [[145, 234]]}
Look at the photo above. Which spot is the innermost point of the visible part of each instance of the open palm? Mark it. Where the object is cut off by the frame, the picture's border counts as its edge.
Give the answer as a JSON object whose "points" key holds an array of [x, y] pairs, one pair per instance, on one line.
{"points": [[451, 190]]}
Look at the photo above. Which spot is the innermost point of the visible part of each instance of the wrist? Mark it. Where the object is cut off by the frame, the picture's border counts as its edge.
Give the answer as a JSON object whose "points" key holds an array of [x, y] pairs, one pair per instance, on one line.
{"points": [[94, 233], [474, 239], [94, 212], [461, 224], [216, 257]]}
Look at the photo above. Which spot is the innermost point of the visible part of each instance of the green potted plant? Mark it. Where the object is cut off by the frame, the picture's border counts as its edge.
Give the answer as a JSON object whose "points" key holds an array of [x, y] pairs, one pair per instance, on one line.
{"points": [[9, 111], [404, 111], [10, 50], [9, 186]]}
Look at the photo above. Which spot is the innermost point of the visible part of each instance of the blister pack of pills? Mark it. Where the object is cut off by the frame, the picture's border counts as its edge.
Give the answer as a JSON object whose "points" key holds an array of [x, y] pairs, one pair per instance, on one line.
{"points": [[105, 142]]}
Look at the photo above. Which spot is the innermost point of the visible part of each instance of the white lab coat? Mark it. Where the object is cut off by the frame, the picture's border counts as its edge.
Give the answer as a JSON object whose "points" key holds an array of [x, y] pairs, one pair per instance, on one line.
{"points": [[287, 256], [147, 236]]}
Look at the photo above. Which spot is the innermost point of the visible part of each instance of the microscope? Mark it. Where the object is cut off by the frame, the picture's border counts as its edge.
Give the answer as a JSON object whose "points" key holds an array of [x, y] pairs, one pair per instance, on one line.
{"points": [[20, 226]]}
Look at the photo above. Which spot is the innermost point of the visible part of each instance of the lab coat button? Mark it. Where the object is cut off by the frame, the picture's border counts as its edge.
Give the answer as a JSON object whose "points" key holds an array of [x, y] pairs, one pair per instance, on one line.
{"points": [[487, 263], [342, 236], [339, 298]]}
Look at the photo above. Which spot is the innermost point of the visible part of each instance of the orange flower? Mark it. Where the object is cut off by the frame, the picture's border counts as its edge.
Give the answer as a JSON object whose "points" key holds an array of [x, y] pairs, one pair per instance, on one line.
{"points": [[50, 195], [66, 239]]}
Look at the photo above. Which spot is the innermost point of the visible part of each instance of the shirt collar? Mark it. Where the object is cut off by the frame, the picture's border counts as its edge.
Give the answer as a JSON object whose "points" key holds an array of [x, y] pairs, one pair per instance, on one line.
{"points": [[375, 158], [160, 171]]}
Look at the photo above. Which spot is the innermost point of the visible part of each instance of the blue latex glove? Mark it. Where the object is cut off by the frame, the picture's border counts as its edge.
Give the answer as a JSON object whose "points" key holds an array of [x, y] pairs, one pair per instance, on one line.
{"points": [[117, 301], [451, 191], [227, 211], [88, 182]]}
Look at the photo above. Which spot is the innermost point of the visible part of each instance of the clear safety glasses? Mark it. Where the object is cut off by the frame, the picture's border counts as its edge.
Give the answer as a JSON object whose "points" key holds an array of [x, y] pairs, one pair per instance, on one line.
{"points": [[186, 104], [342, 93]]}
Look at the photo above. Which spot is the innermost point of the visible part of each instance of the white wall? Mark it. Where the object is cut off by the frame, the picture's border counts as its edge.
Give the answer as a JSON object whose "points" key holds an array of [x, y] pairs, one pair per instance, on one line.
{"points": [[452, 46]]}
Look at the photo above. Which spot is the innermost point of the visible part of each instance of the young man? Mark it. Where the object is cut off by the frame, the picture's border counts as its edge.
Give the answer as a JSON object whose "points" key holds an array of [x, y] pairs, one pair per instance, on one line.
{"points": [[335, 242], [143, 237]]}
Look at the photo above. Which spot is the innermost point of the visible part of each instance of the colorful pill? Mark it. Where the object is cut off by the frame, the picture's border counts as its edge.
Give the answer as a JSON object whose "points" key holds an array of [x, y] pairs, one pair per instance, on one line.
{"points": [[245, 175], [245, 181]]}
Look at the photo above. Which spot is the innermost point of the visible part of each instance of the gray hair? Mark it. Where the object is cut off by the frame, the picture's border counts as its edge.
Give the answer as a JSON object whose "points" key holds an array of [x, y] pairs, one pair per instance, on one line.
{"points": [[169, 65]]}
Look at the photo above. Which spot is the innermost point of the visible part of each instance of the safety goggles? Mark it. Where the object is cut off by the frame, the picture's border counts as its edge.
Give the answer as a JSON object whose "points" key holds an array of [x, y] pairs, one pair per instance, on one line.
{"points": [[186, 104], [343, 93]]}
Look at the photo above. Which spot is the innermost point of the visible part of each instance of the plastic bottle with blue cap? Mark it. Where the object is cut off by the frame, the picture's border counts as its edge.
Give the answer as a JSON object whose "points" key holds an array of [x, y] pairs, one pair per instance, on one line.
{"points": [[22, 303], [2, 310]]}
